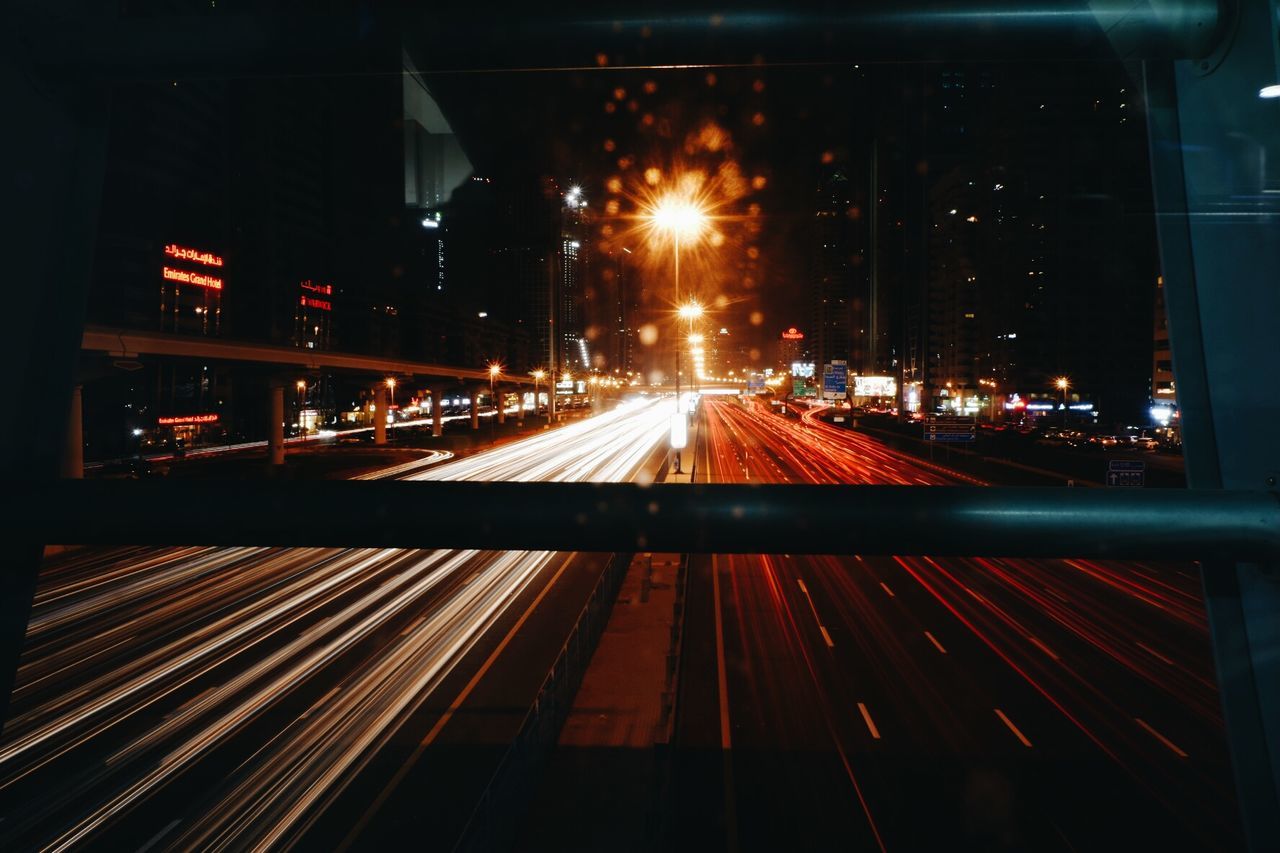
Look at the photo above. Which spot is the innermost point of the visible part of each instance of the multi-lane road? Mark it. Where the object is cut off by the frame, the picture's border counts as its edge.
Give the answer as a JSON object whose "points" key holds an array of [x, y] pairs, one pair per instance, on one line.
{"points": [[250, 697], [246, 697], [918, 703]]}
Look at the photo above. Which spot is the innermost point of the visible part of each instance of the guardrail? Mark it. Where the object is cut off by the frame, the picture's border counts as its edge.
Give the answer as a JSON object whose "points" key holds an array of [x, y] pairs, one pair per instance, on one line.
{"points": [[500, 810]]}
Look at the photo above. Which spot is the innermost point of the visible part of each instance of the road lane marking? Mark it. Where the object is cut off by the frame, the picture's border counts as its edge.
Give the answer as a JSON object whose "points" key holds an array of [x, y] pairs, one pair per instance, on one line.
{"points": [[726, 741], [885, 587], [1013, 728], [816, 618], [1155, 653], [1164, 740], [935, 642], [1048, 651], [866, 716]]}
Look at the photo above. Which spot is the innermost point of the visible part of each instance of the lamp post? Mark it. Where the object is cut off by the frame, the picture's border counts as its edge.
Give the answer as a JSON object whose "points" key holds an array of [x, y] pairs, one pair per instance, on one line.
{"points": [[1063, 384], [681, 218], [537, 377], [689, 311], [302, 399], [494, 370]]}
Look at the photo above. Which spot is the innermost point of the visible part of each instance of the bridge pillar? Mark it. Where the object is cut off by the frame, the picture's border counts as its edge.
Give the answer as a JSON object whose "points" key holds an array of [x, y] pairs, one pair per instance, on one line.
{"points": [[73, 459], [275, 429], [437, 410], [500, 403], [380, 412], [474, 393]]}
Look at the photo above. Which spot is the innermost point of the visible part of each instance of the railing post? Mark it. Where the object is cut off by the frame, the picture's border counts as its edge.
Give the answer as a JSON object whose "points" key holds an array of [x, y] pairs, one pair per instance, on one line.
{"points": [[1213, 144], [437, 410], [73, 461], [275, 427]]}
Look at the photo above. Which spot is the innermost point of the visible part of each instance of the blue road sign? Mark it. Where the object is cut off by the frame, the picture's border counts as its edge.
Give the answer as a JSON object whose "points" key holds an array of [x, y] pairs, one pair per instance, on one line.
{"points": [[835, 378], [950, 428], [1126, 473]]}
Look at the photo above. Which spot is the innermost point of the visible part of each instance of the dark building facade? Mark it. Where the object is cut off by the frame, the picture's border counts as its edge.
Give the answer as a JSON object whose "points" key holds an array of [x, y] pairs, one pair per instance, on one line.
{"points": [[311, 194], [1039, 237]]}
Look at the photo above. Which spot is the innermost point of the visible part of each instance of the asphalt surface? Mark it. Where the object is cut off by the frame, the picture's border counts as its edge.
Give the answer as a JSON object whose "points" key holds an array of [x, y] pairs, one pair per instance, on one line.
{"points": [[913, 703], [180, 698]]}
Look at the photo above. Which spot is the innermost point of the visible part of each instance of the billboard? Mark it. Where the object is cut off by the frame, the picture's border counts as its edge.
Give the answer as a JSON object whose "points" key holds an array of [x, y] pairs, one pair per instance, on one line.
{"points": [[874, 386], [803, 369]]}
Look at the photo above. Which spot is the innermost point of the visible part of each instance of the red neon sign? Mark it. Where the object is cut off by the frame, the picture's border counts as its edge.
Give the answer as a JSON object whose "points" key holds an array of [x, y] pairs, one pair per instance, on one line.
{"points": [[322, 304], [324, 289], [186, 420], [793, 334], [182, 253], [198, 279]]}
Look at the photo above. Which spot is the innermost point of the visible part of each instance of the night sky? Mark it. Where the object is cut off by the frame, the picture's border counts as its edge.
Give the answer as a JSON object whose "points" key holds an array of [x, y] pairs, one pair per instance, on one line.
{"points": [[765, 133]]}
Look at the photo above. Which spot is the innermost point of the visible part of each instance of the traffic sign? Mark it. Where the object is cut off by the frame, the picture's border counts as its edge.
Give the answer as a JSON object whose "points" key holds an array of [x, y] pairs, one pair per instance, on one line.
{"points": [[1126, 473], [950, 428], [835, 378]]}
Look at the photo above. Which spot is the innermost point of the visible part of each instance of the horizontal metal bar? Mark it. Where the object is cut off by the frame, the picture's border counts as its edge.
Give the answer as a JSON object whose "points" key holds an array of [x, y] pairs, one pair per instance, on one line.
{"points": [[1173, 524], [676, 32], [446, 37]]}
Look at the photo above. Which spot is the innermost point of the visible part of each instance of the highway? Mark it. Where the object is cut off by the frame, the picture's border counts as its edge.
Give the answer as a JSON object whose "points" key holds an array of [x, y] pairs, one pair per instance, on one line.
{"points": [[231, 698], [918, 703]]}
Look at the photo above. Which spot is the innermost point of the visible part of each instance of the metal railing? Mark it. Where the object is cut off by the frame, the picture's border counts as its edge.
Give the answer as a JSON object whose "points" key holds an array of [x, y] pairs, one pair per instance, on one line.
{"points": [[681, 518], [500, 809]]}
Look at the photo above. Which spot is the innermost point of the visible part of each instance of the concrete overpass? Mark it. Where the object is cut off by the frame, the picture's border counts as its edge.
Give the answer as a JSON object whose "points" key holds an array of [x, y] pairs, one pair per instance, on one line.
{"points": [[438, 378]]}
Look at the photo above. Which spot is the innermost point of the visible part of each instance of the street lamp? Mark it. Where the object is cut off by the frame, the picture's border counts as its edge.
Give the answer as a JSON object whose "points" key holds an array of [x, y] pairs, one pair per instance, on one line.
{"points": [[494, 370], [683, 220], [1063, 384], [537, 377], [689, 311], [391, 384], [302, 399]]}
